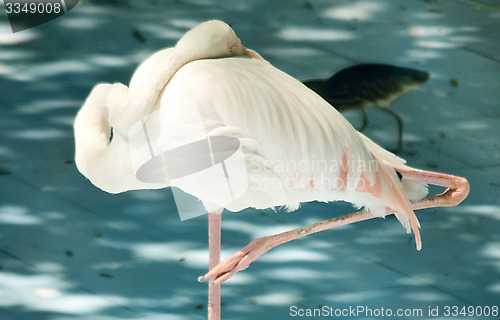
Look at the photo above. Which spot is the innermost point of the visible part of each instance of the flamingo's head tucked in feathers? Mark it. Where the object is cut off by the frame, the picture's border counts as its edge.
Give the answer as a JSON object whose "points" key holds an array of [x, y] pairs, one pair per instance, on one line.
{"points": [[211, 39]]}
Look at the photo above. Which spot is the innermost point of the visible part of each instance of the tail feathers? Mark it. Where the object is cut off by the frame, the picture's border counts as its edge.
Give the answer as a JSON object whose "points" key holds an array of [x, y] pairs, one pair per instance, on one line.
{"points": [[389, 190], [414, 190], [394, 193]]}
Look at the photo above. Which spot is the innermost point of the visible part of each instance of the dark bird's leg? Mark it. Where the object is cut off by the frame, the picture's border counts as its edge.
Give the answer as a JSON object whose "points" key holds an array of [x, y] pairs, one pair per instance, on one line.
{"points": [[400, 125], [365, 120]]}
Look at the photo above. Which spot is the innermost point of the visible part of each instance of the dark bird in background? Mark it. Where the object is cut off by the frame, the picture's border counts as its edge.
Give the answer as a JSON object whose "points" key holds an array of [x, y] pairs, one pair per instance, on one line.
{"points": [[366, 85]]}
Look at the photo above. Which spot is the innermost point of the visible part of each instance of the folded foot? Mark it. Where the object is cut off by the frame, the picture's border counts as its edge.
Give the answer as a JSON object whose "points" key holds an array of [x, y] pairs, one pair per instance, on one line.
{"points": [[238, 261]]}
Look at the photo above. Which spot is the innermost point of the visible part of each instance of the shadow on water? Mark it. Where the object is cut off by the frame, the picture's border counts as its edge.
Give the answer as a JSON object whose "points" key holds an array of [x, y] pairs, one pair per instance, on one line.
{"points": [[70, 251]]}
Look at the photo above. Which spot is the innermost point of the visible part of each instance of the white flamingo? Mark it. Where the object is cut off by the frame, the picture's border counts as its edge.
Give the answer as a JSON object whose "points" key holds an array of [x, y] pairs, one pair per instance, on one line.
{"points": [[279, 122]]}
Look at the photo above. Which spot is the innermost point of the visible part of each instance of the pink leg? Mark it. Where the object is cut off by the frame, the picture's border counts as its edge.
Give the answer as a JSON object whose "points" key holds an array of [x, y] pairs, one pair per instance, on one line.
{"points": [[214, 231], [458, 189]]}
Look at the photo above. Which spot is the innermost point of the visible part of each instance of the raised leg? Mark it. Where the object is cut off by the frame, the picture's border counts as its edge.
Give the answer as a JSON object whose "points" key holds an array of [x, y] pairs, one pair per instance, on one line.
{"points": [[214, 232], [457, 191], [243, 258]]}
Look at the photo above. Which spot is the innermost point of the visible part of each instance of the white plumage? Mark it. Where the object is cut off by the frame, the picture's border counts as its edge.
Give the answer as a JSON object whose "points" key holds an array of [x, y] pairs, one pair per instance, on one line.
{"points": [[296, 147], [295, 143]]}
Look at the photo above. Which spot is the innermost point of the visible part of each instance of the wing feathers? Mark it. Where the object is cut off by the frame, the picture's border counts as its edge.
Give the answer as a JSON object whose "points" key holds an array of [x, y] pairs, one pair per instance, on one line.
{"points": [[290, 130]]}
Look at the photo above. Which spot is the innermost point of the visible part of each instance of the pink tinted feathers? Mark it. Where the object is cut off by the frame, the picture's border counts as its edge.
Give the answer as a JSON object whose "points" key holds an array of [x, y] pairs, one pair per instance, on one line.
{"points": [[389, 189]]}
